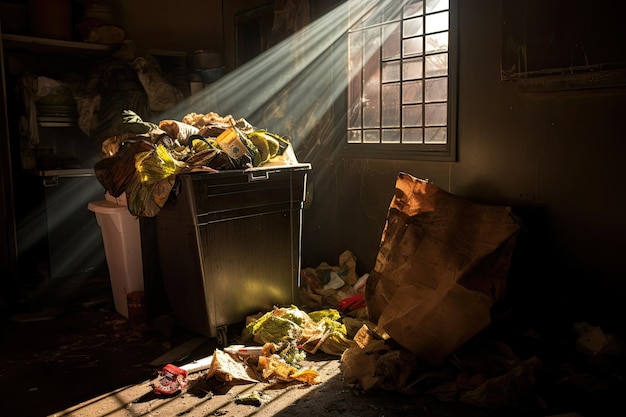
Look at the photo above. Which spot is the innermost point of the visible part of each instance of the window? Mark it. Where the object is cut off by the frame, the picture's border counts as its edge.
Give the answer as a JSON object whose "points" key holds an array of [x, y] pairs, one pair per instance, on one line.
{"points": [[402, 80]]}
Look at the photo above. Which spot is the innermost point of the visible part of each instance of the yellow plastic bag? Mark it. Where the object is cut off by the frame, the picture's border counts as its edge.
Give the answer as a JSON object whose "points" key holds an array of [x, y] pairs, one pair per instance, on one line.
{"points": [[155, 173]]}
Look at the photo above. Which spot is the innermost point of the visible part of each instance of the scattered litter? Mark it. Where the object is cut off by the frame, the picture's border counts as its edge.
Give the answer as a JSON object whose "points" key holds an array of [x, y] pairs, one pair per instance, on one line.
{"points": [[352, 303], [317, 330], [198, 365], [335, 282], [171, 380], [591, 339], [244, 350], [225, 368], [254, 398]]}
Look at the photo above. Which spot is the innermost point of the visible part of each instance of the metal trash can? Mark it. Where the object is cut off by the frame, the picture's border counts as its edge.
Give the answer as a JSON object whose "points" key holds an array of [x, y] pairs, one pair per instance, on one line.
{"points": [[229, 245]]}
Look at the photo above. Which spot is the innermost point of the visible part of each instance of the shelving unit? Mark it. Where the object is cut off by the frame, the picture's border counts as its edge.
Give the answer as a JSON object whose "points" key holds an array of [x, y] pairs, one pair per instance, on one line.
{"points": [[54, 233], [34, 186]]}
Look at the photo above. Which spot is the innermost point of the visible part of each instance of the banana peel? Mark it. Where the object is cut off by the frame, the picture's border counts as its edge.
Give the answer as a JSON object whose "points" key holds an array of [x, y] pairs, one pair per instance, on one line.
{"points": [[271, 140], [262, 146]]}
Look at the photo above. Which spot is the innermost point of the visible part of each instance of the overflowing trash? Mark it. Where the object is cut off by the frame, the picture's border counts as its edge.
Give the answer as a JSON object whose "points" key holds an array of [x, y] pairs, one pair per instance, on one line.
{"points": [[144, 158]]}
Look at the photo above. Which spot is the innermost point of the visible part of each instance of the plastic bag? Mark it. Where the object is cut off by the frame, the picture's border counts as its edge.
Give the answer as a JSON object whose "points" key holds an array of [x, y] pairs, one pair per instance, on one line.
{"points": [[117, 171], [155, 173]]}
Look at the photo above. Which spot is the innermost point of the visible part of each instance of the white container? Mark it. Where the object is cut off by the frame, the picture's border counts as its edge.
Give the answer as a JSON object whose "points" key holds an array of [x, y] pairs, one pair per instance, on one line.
{"points": [[122, 249]]}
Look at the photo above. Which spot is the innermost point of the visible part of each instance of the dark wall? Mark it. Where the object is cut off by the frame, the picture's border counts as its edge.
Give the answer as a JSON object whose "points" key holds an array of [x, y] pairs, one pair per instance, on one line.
{"points": [[556, 158]]}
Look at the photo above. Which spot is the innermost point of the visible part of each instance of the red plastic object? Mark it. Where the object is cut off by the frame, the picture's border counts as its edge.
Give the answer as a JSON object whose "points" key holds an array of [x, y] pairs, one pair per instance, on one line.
{"points": [[171, 379], [352, 303]]}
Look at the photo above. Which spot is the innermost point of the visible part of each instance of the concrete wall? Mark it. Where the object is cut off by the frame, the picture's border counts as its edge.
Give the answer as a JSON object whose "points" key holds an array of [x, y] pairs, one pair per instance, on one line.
{"points": [[179, 26]]}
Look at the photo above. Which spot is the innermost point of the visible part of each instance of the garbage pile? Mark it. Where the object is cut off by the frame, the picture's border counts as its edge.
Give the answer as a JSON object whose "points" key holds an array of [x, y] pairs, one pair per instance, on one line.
{"points": [[144, 160], [277, 344]]}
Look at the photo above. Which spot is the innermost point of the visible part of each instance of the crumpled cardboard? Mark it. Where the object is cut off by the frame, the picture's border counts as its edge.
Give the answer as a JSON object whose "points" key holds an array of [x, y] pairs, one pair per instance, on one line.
{"points": [[442, 263]]}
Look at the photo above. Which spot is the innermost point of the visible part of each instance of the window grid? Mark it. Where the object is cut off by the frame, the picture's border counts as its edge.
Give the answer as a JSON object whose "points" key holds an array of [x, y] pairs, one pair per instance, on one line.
{"points": [[419, 119]]}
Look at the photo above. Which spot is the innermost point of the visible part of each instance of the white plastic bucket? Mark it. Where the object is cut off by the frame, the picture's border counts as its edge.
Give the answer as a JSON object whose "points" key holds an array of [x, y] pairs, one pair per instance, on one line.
{"points": [[122, 249]]}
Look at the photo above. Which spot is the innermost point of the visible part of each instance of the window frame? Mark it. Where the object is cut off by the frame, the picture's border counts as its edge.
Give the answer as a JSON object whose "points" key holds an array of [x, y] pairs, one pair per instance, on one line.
{"points": [[419, 151]]}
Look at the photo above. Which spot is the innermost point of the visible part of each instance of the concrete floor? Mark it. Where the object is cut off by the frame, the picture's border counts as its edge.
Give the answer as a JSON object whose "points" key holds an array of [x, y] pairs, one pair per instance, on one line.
{"points": [[93, 362], [85, 359]]}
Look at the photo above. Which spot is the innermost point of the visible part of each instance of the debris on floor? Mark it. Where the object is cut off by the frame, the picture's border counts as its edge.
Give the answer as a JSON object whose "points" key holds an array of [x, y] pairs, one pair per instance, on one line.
{"points": [[320, 329], [423, 319], [284, 336], [171, 380]]}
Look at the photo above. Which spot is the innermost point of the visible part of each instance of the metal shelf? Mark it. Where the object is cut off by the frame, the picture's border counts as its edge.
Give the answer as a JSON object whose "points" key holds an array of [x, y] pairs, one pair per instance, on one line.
{"points": [[52, 46]]}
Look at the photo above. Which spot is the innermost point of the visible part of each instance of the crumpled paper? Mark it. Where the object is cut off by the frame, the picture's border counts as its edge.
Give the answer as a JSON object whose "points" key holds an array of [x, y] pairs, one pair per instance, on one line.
{"points": [[225, 368]]}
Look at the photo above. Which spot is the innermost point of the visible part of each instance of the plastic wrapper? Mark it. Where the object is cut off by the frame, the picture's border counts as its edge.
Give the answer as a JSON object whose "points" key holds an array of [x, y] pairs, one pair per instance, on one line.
{"points": [[178, 130], [116, 172], [155, 173]]}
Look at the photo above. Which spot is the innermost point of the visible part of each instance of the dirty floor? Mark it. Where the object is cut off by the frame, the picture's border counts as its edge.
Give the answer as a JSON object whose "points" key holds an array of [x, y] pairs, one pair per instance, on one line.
{"points": [[87, 360]]}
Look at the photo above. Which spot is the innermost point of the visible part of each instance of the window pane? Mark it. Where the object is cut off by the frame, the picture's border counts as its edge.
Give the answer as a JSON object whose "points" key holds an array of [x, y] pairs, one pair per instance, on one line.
{"points": [[436, 114], [436, 135], [371, 136], [436, 89], [354, 136], [436, 65], [413, 27], [411, 92], [412, 115], [437, 42], [391, 71], [391, 105], [391, 41], [437, 22], [354, 97], [371, 78], [412, 69], [355, 53], [355, 64], [391, 136], [412, 135], [414, 8], [436, 5], [413, 46]]}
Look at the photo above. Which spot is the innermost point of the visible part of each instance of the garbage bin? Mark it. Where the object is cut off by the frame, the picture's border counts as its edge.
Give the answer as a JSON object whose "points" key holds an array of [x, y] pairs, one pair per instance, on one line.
{"points": [[122, 248], [228, 245]]}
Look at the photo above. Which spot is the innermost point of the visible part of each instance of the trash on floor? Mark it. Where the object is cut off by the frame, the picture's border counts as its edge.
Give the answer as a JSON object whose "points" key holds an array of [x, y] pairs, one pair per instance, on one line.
{"points": [[253, 398], [236, 364], [335, 286], [321, 329], [171, 380]]}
